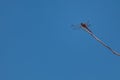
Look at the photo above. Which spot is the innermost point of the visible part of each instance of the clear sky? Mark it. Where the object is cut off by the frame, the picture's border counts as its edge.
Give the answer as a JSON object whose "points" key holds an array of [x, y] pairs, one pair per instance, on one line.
{"points": [[38, 43]]}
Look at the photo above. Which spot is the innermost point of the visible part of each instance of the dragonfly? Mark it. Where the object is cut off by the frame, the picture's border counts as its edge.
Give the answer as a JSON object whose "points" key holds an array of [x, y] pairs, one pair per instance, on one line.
{"points": [[85, 26]]}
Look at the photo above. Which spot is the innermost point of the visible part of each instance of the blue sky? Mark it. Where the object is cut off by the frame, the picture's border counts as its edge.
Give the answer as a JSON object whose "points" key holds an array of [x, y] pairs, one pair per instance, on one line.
{"points": [[38, 43]]}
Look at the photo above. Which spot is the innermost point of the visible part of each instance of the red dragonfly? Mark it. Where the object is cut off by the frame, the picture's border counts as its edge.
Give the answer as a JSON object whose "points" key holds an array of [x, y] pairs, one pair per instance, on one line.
{"points": [[85, 27]]}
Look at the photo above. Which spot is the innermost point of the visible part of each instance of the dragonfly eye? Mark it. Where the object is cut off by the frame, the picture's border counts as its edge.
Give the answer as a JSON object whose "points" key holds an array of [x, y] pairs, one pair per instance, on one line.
{"points": [[81, 23]]}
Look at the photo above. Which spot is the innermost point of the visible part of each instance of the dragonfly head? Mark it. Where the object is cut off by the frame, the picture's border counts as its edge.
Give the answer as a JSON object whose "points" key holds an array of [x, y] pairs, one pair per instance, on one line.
{"points": [[83, 25]]}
